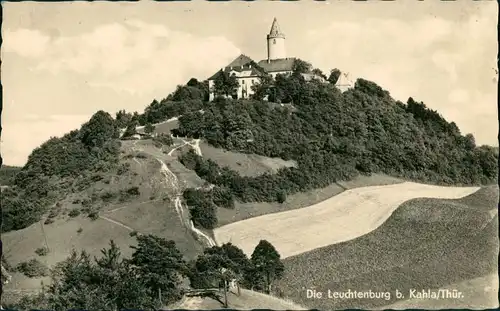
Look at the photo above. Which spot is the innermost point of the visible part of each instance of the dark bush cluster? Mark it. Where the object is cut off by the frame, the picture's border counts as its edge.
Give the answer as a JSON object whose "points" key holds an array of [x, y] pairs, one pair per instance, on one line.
{"points": [[33, 268]]}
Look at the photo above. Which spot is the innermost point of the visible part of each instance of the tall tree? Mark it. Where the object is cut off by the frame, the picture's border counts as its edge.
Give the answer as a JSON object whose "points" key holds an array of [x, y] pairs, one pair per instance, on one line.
{"points": [[149, 128], [301, 66], [225, 84], [98, 130], [266, 261], [262, 88], [131, 129], [123, 118], [219, 265], [319, 73], [160, 264], [334, 76]]}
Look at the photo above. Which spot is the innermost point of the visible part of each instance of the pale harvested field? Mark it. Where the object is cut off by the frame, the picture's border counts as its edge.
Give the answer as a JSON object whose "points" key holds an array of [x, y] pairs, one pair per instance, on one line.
{"points": [[374, 179], [244, 164], [248, 210], [344, 217]]}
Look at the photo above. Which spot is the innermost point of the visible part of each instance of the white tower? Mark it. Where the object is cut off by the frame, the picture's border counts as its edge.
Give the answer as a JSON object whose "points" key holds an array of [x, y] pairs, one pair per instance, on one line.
{"points": [[275, 43]]}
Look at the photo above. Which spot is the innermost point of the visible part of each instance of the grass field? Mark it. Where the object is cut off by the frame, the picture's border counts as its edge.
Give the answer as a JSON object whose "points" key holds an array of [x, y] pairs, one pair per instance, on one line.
{"points": [[160, 219], [247, 300], [62, 237], [344, 217], [244, 164], [145, 213], [425, 244]]}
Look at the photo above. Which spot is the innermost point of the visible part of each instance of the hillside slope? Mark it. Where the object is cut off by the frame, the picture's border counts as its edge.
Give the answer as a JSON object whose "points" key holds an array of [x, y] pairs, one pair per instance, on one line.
{"points": [[425, 244], [152, 211], [247, 300], [82, 189]]}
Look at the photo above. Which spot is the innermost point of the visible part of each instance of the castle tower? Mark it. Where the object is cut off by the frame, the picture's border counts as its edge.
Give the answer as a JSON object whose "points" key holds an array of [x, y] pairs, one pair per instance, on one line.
{"points": [[275, 43]]}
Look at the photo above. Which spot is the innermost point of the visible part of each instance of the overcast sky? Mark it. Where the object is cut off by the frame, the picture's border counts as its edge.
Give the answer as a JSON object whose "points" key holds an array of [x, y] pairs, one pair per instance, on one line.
{"points": [[61, 62]]}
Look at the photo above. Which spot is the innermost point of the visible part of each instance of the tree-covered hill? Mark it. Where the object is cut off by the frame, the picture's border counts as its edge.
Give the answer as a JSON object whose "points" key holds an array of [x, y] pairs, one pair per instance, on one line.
{"points": [[7, 174], [53, 168], [333, 135]]}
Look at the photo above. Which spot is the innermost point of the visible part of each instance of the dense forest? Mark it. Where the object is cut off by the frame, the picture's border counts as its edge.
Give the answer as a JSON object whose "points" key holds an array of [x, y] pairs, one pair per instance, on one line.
{"points": [[7, 174]]}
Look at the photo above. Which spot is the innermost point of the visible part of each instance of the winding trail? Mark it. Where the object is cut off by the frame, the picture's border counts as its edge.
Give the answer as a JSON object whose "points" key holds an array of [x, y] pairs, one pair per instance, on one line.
{"points": [[171, 178], [116, 222]]}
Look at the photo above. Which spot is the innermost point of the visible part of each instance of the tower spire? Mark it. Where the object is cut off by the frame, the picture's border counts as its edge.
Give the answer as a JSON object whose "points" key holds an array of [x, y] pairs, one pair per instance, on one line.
{"points": [[275, 30]]}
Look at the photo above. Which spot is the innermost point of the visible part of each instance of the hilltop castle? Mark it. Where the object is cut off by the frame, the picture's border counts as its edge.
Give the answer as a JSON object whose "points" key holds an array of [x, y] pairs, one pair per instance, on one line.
{"points": [[247, 71]]}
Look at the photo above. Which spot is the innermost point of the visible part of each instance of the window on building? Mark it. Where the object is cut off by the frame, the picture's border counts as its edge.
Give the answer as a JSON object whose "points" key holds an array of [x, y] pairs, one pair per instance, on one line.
{"points": [[253, 82], [274, 41], [243, 81]]}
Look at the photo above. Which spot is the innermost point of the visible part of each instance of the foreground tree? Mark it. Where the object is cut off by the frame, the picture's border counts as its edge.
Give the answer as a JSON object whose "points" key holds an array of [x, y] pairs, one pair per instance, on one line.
{"points": [[108, 283], [267, 263], [148, 281], [218, 266], [161, 265], [149, 128]]}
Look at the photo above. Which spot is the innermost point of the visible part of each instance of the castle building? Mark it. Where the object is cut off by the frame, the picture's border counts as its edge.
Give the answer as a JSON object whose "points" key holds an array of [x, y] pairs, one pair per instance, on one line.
{"points": [[248, 71]]}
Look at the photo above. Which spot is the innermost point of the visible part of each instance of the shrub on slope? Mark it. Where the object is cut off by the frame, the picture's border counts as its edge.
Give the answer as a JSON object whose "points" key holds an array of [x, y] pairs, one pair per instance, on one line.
{"points": [[165, 109]]}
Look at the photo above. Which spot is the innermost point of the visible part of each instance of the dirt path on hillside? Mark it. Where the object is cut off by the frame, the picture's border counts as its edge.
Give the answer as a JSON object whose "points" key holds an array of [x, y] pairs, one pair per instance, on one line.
{"points": [[344, 217], [116, 223], [172, 179]]}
